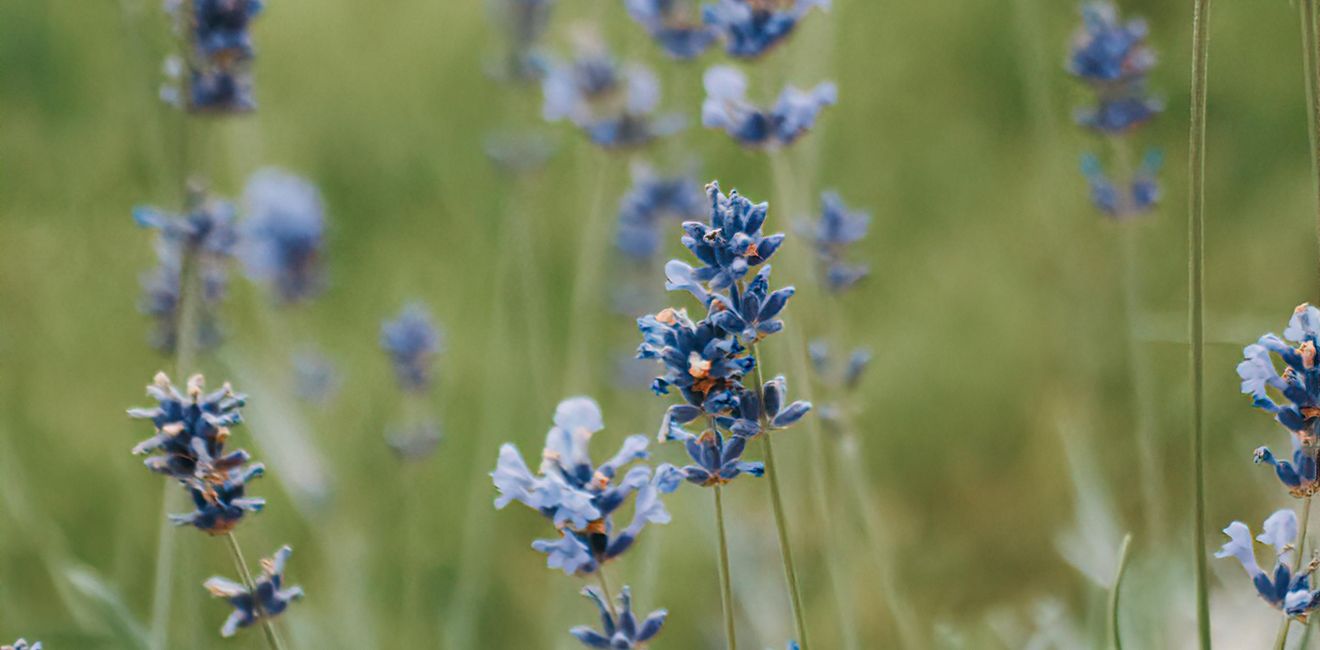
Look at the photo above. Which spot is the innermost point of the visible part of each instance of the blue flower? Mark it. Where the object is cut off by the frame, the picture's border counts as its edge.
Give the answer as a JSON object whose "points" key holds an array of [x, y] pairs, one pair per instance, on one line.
{"points": [[284, 234], [220, 27], [717, 458], [412, 342], [832, 234], [1140, 195], [732, 243], [269, 598], [822, 362], [580, 498], [524, 23], [22, 645], [221, 90], [624, 632], [1112, 57], [1300, 382], [612, 104], [751, 313], [1297, 475], [751, 28], [700, 359], [218, 75], [1281, 589], [726, 107], [652, 200], [220, 500], [674, 25], [205, 236], [190, 428]]}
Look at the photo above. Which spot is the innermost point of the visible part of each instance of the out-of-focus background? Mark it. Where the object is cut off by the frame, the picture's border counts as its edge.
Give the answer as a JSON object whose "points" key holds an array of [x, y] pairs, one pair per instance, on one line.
{"points": [[1025, 408]]}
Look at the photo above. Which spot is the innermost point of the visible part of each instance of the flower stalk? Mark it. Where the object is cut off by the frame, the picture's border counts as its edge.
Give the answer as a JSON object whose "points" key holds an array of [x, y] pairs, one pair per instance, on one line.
{"points": [[267, 625]]}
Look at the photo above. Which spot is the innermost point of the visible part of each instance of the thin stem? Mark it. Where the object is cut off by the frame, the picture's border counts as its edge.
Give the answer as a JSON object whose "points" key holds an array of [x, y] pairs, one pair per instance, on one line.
{"points": [[726, 585], [1116, 639], [781, 519], [1196, 305], [605, 590], [1311, 59], [1299, 552], [267, 625]]}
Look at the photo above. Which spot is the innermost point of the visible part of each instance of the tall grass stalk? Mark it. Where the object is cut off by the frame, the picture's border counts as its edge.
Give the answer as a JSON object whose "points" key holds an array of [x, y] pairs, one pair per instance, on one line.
{"points": [[1115, 635], [1196, 305], [583, 307], [267, 625], [781, 518], [1311, 63], [726, 583]]}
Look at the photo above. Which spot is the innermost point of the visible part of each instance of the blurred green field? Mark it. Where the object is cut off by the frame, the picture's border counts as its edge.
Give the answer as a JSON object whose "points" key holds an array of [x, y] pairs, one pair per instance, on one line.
{"points": [[1000, 413]]}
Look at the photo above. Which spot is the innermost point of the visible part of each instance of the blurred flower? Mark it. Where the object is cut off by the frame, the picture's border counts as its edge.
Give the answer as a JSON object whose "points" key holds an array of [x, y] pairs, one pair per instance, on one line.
{"points": [[1112, 57], [751, 28], [315, 378], [836, 230], [221, 503], [412, 342], [823, 363], [524, 23], [218, 55], [578, 498], [206, 238], [1282, 589], [624, 632], [269, 598], [652, 200], [1300, 382], [675, 25], [726, 107], [22, 645], [416, 442], [1141, 194], [730, 245], [284, 234], [612, 104]]}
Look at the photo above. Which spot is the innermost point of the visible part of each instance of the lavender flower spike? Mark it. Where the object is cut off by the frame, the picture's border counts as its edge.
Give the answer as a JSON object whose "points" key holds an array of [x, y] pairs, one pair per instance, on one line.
{"points": [[284, 235], [623, 632], [269, 599], [727, 108]]}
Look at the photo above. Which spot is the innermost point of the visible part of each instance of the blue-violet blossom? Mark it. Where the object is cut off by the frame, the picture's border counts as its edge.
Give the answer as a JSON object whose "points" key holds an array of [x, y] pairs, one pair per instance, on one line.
{"points": [[284, 234], [412, 342], [837, 229], [675, 25], [624, 632], [750, 28], [727, 108], [612, 104], [269, 599], [1280, 588]]}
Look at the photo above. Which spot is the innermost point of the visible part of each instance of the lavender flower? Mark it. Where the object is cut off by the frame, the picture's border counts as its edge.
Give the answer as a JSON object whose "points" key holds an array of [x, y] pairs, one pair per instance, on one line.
{"points": [[22, 645], [579, 498], [191, 432], [652, 200], [837, 229], [284, 234], [751, 28], [718, 459], [218, 54], [1282, 589], [612, 104], [726, 107], [729, 246], [624, 632], [206, 237], [1300, 381], [269, 598], [412, 342], [675, 25], [1140, 195]]}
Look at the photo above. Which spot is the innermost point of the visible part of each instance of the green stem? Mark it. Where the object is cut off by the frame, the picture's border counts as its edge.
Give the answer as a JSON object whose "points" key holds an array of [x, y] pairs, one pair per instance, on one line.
{"points": [[726, 585], [605, 590], [781, 519], [1311, 60], [267, 625], [1196, 305], [1115, 637]]}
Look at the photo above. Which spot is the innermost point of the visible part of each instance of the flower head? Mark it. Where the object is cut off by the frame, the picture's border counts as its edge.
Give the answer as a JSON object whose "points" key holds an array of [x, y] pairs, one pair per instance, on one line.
{"points": [[624, 632], [750, 28], [1281, 588], [727, 108], [268, 599], [22, 645], [612, 104], [1138, 197], [653, 200], [1300, 382], [837, 229], [751, 312], [220, 501], [675, 25], [717, 459], [412, 342], [1113, 59], [579, 497], [704, 362], [207, 238], [284, 234], [217, 78], [731, 244]]}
